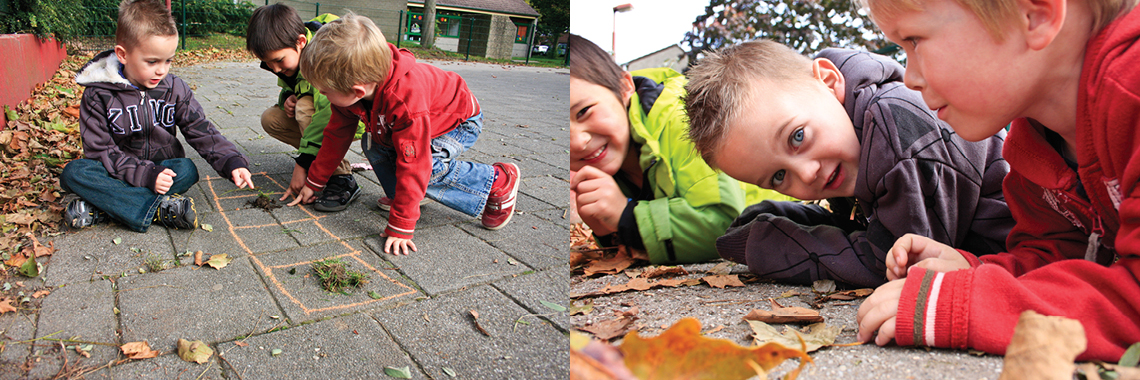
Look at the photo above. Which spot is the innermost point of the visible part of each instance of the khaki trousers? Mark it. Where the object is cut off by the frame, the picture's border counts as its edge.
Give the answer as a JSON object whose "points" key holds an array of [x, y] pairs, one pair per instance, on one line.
{"points": [[289, 130]]}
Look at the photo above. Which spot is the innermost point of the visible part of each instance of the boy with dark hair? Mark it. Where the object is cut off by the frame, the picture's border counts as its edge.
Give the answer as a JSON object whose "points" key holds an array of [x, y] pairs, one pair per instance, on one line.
{"points": [[419, 119], [135, 168], [276, 35], [841, 127]]}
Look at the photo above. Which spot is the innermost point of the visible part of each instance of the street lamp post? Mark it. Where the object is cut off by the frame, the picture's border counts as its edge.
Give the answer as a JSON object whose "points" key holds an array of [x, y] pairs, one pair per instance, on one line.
{"points": [[617, 9]]}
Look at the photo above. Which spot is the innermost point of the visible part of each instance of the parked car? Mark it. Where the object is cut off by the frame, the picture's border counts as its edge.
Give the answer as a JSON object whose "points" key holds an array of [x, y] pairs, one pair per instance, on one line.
{"points": [[540, 49]]}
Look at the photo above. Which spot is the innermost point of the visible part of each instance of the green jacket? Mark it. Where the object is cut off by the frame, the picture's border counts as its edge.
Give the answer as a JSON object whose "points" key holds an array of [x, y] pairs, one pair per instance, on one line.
{"points": [[684, 205], [297, 85]]}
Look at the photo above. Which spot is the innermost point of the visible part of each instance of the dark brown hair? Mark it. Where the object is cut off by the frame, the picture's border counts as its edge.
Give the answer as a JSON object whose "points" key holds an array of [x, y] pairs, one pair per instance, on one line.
{"points": [[271, 28], [143, 18], [590, 63]]}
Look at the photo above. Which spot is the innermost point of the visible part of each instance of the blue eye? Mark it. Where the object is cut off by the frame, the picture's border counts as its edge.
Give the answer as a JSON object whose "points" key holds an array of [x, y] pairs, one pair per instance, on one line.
{"points": [[797, 138], [778, 179]]}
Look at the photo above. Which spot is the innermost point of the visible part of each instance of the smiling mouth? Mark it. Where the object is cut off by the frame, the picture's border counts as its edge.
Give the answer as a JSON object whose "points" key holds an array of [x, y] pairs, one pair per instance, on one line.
{"points": [[831, 180], [597, 153]]}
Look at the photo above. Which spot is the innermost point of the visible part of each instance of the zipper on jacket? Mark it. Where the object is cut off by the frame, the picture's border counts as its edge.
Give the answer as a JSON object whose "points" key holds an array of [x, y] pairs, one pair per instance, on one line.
{"points": [[1094, 241], [142, 123]]}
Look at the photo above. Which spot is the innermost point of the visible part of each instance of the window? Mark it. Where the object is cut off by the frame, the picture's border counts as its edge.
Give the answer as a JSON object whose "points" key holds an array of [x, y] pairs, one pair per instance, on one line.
{"points": [[521, 33], [445, 25]]}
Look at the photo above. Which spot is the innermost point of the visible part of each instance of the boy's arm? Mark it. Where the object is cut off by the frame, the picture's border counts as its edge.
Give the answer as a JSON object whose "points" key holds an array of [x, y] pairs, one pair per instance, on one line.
{"points": [[337, 138], [412, 142], [314, 134], [201, 134], [99, 144]]}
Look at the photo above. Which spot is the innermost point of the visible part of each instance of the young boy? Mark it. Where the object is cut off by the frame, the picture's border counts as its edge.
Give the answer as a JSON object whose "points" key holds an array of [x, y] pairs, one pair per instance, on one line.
{"points": [[276, 35], [836, 127], [1064, 73], [135, 169], [418, 119]]}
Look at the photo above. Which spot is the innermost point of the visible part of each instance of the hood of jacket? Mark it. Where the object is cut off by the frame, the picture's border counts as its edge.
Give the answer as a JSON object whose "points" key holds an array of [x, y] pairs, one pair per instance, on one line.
{"points": [[105, 71]]}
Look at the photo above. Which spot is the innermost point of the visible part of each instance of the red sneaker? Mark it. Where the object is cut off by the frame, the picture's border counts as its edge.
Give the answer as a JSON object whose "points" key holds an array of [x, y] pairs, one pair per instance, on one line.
{"points": [[385, 203], [501, 202]]}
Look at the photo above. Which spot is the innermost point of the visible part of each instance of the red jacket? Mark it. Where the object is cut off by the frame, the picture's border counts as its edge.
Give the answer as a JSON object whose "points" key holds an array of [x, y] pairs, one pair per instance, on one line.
{"points": [[1062, 250], [416, 103]]}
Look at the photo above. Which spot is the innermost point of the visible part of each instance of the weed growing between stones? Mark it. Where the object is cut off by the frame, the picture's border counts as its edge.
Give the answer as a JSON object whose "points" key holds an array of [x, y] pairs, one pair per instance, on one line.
{"points": [[336, 277]]}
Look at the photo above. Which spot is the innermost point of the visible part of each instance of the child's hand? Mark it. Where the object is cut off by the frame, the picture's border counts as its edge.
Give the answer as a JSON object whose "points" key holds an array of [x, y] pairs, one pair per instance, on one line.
{"points": [[304, 196], [242, 178], [878, 313], [399, 245], [291, 106], [599, 199], [296, 183], [164, 181], [922, 252]]}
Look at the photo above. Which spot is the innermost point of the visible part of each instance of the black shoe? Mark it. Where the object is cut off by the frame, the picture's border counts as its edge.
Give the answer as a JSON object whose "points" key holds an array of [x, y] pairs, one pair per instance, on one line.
{"points": [[80, 214], [340, 191], [177, 211]]}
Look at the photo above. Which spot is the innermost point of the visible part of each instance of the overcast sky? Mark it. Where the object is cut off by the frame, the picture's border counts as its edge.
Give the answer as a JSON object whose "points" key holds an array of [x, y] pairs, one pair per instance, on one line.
{"points": [[650, 26]]}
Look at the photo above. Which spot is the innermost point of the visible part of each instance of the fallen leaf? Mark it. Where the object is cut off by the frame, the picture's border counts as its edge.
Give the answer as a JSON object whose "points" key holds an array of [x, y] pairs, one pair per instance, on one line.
{"points": [[30, 268], [6, 305], [219, 261], [138, 350], [1043, 347], [848, 295], [553, 306], [613, 328], [207, 227], [638, 284], [781, 314], [662, 271], [723, 280], [823, 286], [17, 260], [198, 258], [449, 372], [814, 336], [682, 353], [41, 293], [583, 309], [196, 351], [612, 265], [475, 318], [372, 294], [399, 373], [241, 344], [1131, 356], [40, 249], [83, 350], [275, 352], [721, 268], [117, 240]]}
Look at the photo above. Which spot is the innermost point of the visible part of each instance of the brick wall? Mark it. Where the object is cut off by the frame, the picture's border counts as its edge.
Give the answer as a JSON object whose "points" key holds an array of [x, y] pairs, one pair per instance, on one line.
{"points": [[28, 62]]}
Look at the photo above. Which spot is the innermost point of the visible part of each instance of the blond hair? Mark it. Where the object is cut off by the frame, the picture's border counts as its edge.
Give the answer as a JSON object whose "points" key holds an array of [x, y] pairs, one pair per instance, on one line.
{"points": [[996, 14], [346, 52], [721, 84], [139, 19]]}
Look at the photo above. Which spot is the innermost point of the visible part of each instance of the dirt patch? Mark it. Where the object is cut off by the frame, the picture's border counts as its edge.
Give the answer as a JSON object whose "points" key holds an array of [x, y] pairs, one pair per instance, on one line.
{"points": [[264, 202]]}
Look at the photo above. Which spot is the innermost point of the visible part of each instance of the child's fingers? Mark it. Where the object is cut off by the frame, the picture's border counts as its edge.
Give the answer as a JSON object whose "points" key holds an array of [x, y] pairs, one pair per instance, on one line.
{"points": [[886, 332], [296, 201], [285, 196]]}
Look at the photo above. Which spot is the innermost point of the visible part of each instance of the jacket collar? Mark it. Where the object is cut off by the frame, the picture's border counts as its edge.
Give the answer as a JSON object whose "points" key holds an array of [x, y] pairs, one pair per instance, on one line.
{"points": [[104, 68]]}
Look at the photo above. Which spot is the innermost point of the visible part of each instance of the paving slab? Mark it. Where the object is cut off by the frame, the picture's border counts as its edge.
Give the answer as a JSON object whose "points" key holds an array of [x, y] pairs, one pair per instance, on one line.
{"points": [[16, 327], [530, 289], [352, 347], [195, 303], [82, 311], [449, 259], [440, 332], [534, 241], [547, 189], [168, 366], [92, 253], [292, 281]]}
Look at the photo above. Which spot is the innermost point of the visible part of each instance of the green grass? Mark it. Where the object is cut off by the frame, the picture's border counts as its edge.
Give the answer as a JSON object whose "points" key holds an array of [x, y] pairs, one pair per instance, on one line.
{"points": [[336, 277], [439, 54], [215, 40]]}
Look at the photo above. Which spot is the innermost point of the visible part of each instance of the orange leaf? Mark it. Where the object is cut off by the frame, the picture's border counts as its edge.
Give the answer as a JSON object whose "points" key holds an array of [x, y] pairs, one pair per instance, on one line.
{"points": [[682, 353], [241, 344], [40, 249], [664, 271], [723, 280], [17, 260], [41, 293], [611, 265], [138, 350], [6, 305]]}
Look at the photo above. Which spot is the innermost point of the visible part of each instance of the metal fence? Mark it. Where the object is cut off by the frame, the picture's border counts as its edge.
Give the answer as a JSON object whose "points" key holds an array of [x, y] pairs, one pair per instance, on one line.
{"points": [[469, 34]]}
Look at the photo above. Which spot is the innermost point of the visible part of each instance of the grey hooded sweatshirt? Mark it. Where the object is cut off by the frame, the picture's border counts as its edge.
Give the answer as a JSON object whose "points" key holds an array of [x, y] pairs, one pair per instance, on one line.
{"points": [[129, 129], [915, 176]]}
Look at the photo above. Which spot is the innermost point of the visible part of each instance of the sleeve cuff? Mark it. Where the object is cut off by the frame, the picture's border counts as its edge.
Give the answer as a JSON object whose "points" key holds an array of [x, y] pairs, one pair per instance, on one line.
{"points": [[305, 160], [628, 232], [397, 233], [932, 309], [152, 177]]}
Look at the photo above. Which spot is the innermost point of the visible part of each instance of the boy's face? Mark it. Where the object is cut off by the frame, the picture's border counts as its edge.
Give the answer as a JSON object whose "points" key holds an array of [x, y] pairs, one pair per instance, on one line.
{"points": [[799, 142], [976, 84], [599, 127], [149, 61], [285, 61]]}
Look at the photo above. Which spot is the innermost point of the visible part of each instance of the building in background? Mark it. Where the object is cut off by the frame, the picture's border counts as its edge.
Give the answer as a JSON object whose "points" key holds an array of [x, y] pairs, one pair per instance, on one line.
{"points": [[498, 29], [672, 56]]}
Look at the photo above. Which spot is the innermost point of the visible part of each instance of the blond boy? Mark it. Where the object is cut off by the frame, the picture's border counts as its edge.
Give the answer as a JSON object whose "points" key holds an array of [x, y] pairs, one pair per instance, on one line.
{"points": [[418, 119], [1063, 72]]}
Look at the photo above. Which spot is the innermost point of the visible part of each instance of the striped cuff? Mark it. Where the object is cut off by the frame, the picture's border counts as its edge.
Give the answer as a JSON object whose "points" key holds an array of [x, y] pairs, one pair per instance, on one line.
{"points": [[400, 233], [932, 309]]}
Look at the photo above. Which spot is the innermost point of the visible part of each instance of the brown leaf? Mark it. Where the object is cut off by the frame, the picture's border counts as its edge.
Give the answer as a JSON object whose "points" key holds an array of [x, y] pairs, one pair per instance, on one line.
{"points": [[611, 265], [198, 258], [638, 284], [6, 305], [811, 338], [682, 353], [784, 315], [17, 260], [72, 111], [610, 328], [81, 351], [241, 344], [1043, 347], [723, 280], [661, 271], [40, 249], [475, 318], [849, 294], [722, 268], [138, 350], [41, 293]]}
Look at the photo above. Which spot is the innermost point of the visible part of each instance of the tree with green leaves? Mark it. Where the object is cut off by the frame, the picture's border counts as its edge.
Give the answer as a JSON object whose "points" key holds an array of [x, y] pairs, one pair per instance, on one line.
{"points": [[554, 19], [807, 26]]}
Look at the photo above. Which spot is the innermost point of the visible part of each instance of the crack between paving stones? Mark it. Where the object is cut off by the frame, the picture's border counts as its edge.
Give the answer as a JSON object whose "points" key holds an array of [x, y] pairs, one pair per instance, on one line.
{"points": [[534, 313], [407, 352]]}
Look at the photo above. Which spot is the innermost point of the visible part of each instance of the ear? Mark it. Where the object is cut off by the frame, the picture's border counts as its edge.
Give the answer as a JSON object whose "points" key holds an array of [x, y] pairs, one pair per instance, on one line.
{"points": [[121, 53], [359, 91], [301, 41], [626, 88], [1041, 21], [825, 70]]}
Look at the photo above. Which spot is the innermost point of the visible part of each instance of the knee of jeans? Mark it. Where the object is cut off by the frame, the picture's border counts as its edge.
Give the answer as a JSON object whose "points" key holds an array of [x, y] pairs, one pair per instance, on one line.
{"points": [[271, 118]]}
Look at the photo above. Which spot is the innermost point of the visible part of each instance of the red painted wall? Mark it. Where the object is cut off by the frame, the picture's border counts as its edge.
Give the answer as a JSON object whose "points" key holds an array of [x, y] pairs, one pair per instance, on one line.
{"points": [[27, 62]]}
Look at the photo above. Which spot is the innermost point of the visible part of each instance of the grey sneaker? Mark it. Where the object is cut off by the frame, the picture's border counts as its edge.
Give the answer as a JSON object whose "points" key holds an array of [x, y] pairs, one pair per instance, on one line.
{"points": [[177, 211], [340, 191], [80, 214]]}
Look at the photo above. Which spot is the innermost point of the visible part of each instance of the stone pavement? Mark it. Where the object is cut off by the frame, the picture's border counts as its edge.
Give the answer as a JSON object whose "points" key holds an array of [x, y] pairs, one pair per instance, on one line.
{"points": [[415, 312]]}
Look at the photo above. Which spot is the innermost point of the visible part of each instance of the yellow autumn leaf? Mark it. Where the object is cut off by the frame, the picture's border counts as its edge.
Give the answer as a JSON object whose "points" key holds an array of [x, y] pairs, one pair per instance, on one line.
{"points": [[219, 261], [196, 351], [682, 353]]}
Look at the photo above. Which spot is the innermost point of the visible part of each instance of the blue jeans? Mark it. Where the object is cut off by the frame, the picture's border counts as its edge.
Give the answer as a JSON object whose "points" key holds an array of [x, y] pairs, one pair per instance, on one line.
{"points": [[129, 205], [460, 185]]}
